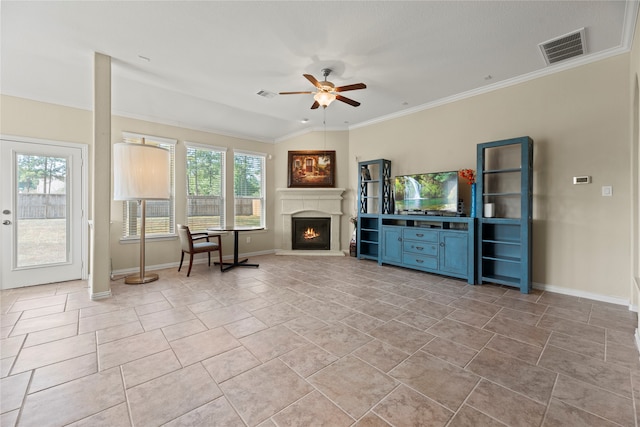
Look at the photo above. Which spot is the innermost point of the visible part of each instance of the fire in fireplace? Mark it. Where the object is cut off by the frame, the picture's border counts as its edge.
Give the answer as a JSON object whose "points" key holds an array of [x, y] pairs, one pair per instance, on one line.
{"points": [[311, 233]]}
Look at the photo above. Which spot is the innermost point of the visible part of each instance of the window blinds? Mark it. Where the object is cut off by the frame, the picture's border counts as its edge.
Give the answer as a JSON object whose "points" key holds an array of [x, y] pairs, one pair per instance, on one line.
{"points": [[249, 189], [205, 168]]}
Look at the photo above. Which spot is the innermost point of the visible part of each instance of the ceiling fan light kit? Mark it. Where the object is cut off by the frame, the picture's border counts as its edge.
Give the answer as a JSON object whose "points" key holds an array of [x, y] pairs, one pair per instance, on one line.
{"points": [[324, 98], [327, 92]]}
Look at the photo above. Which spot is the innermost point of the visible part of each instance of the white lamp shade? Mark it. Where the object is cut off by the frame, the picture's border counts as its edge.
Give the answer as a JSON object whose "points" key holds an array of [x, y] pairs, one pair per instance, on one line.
{"points": [[140, 172], [324, 98]]}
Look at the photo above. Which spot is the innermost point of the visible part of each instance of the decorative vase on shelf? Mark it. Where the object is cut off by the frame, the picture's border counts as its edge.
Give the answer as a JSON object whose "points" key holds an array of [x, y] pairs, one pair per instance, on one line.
{"points": [[473, 200]]}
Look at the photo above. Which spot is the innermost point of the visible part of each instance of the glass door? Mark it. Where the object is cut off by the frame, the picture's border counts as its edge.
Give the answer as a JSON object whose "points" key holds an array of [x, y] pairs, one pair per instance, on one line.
{"points": [[42, 221]]}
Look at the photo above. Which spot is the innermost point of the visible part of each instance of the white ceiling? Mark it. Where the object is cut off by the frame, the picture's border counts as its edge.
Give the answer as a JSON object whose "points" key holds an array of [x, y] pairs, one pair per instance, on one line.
{"points": [[208, 59]]}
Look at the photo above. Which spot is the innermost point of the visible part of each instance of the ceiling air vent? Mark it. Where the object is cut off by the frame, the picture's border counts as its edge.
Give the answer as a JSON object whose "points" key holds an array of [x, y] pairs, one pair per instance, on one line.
{"points": [[266, 94], [564, 47]]}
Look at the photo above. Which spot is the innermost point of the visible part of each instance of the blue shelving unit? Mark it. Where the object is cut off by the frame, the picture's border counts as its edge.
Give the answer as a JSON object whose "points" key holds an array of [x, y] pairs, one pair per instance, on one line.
{"points": [[374, 200], [505, 179]]}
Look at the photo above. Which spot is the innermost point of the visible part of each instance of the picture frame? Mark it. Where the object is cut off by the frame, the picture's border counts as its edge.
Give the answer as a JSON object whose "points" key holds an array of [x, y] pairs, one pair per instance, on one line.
{"points": [[311, 169]]}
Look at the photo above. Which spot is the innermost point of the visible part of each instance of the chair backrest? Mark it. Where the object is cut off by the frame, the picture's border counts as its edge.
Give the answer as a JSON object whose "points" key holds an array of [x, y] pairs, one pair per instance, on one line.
{"points": [[186, 242]]}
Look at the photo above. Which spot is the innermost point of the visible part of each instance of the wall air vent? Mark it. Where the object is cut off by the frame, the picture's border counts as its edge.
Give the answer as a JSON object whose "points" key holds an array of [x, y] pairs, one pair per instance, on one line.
{"points": [[266, 94], [564, 47]]}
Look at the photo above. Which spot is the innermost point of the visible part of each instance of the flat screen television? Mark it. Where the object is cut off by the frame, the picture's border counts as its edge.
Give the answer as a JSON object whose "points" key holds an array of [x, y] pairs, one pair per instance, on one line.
{"points": [[435, 192]]}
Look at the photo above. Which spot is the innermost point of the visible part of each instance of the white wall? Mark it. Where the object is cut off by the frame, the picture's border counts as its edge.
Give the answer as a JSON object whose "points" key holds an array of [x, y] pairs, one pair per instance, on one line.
{"points": [[161, 252], [579, 122], [337, 141]]}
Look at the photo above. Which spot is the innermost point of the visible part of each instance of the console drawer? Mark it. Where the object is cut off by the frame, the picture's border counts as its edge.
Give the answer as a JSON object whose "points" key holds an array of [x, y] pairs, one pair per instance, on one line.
{"points": [[420, 261], [416, 233], [420, 247]]}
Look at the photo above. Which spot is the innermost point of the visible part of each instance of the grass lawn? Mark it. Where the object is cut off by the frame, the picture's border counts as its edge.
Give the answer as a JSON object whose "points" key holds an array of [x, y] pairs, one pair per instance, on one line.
{"points": [[41, 241]]}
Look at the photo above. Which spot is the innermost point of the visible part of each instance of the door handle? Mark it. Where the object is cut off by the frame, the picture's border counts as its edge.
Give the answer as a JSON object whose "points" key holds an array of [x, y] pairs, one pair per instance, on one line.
{"points": [[6, 222]]}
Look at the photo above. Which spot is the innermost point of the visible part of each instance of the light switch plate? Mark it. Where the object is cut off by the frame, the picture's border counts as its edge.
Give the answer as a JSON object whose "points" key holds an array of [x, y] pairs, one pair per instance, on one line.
{"points": [[607, 191]]}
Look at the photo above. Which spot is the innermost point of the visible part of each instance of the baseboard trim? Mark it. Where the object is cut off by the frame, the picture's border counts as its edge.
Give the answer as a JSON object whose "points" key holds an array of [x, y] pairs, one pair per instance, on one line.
{"points": [[310, 253], [100, 295], [583, 294], [202, 259]]}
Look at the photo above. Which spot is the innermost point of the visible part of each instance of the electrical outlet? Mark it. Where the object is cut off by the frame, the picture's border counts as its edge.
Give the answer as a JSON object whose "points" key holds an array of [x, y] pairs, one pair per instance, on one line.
{"points": [[607, 191], [248, 239]]}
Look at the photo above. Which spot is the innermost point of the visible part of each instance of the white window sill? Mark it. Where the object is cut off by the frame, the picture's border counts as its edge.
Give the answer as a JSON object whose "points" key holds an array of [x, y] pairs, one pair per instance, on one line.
{"points": [[130, 240]]}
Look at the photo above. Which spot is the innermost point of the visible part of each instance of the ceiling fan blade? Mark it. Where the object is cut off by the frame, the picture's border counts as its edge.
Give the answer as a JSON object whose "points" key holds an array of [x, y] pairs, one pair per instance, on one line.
{"points": [[294, 93], [315, 105], [354, 86], [347, 100], [313, 80]]}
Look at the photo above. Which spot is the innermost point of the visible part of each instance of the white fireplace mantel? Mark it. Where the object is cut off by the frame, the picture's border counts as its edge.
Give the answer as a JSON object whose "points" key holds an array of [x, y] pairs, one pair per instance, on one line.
{"points": [[310, 202]]}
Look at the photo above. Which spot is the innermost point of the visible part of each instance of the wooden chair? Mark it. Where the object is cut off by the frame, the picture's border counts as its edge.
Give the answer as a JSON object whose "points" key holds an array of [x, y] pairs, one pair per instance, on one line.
{"points": [[191, 247]]}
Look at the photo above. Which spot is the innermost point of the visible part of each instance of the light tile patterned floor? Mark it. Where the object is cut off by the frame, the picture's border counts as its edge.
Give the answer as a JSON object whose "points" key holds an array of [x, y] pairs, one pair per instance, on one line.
{"points": [[314, 341]]}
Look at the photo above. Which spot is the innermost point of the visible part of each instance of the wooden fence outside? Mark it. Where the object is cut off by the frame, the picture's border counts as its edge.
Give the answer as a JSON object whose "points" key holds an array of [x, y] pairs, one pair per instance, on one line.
{"points": [[42, 206], [48, 206]]}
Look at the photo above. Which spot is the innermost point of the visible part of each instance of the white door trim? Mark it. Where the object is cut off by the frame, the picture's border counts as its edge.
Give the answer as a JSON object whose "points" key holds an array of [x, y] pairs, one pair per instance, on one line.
{"points": [[84, 189]]}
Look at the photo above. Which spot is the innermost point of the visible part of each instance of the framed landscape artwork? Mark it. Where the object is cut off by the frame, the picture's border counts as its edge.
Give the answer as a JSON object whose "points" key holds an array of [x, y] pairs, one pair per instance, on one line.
{"points": [[312, 168]]}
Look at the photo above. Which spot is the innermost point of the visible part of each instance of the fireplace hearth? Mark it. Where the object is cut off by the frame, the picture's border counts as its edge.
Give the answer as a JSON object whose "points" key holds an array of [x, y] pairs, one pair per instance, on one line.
{"points": [[310, 233]]}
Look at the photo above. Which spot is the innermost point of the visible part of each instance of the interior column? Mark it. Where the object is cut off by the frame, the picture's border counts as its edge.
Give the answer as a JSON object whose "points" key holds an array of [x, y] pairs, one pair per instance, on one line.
{"points": [[99, 279]]}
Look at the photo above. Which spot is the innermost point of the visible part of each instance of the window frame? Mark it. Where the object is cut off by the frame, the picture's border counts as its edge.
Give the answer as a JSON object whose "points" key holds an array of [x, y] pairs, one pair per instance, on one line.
{"points": [[223, 180], [263, 187]]}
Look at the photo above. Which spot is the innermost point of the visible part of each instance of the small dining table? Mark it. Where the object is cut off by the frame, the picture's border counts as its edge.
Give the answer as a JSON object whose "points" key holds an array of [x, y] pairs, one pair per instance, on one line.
{"points": [[226, 266]]}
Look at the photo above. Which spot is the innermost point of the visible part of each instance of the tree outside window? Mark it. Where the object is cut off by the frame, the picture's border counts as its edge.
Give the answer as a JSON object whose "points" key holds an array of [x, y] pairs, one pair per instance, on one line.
{"points": [[249, 189]]}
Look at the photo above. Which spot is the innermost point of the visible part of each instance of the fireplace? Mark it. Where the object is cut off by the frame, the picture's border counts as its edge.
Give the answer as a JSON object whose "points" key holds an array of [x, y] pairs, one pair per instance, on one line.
{"points": [[310, 233], [305, 203]]}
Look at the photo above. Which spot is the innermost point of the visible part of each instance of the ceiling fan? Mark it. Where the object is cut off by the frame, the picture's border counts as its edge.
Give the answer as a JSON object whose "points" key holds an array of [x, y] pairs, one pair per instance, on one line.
{"points": [[327, 91]]}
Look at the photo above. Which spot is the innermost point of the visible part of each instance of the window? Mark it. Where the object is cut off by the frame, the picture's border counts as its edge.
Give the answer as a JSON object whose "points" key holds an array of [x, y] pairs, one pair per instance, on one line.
{"points": [[160, 218], [249, 189], [205, 186]]}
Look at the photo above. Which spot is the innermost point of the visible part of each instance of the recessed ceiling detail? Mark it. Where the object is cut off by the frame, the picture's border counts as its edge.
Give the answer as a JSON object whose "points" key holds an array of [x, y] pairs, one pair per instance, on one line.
{"points": [[564, 47], [266, 94]]}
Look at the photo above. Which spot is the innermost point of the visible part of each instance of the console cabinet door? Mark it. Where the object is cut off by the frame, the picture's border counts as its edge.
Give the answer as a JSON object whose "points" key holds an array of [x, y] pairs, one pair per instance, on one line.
{"points": [[392, 244], [453, 252]]}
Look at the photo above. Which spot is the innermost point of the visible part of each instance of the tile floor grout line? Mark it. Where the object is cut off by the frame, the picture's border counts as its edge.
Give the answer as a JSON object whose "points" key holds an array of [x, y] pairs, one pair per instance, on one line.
{"points": [[548, 405], [634, 399], [349, 306], [23, 403]]}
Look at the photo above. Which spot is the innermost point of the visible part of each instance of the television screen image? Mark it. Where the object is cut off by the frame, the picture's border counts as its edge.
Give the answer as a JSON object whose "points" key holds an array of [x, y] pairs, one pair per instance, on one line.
{"points": [[427, 192]]}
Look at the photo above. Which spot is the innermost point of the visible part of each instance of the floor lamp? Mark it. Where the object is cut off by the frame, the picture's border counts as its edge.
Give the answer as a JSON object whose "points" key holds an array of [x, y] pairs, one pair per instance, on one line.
{"points": [[140, 173]]}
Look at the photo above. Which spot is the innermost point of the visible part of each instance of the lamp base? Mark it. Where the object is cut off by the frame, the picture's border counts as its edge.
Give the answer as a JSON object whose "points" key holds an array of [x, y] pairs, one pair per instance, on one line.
{"points": [[137, 280]]}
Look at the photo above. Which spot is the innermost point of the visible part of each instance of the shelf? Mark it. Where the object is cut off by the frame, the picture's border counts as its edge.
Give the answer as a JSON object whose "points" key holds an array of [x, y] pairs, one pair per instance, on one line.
{"points": [[502, 170], [501, 221], [502, 280], [502, 242], [502, 258], [501, 194]]}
